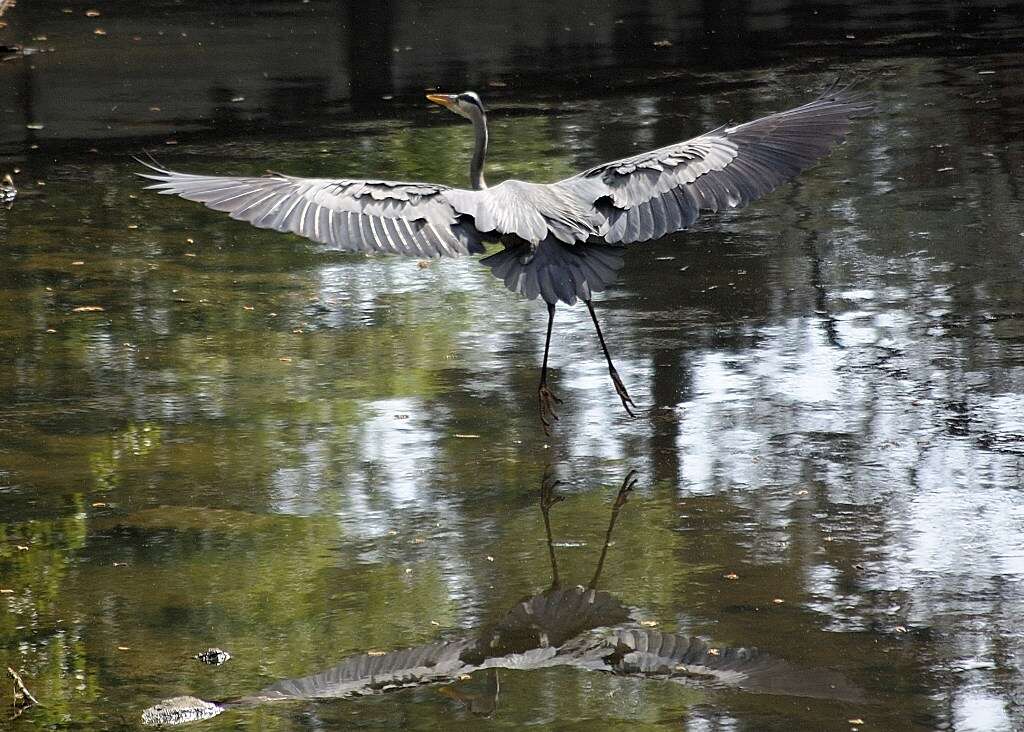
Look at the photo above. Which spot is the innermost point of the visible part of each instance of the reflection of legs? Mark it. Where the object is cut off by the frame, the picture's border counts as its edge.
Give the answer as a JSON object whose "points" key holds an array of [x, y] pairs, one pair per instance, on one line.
{"points": [[620, 388], [547, 399], [547, 500], [620, 501]]}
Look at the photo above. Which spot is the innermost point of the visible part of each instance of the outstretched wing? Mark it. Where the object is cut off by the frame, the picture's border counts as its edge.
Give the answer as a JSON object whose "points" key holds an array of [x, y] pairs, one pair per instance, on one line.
{"points": [[415, 219], [652, 194]]}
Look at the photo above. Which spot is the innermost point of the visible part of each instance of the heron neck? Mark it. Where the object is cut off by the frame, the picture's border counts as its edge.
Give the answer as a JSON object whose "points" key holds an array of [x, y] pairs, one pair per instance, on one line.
{"points": [[476, 165]]}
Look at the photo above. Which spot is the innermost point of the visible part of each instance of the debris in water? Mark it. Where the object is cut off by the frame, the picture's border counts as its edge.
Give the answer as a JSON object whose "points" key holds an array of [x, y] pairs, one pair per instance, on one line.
{"points": [[22, 696], [179, 710], [88, 309], [7, 189], [213, 656]]}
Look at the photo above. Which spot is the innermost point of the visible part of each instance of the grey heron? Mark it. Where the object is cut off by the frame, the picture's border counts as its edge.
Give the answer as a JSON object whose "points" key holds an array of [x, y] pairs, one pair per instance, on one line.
{"points": [[562, 241]]}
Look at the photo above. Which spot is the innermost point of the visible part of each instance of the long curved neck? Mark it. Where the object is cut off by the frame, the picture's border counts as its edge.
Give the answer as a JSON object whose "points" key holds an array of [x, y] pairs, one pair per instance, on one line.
{"points": [[476, 165]]}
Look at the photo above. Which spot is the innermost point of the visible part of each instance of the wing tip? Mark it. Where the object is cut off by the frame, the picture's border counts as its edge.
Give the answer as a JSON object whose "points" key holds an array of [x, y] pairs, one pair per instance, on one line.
{"points": [[851, 94]]}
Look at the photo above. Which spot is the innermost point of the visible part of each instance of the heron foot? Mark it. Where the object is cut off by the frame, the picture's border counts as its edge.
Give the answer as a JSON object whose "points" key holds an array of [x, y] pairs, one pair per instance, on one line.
{"points": [[620, 389], [547, 400]]}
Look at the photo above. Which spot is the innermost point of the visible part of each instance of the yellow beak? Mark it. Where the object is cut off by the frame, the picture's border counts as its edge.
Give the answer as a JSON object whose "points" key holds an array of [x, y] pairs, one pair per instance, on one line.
{"points": [[445, 100]]}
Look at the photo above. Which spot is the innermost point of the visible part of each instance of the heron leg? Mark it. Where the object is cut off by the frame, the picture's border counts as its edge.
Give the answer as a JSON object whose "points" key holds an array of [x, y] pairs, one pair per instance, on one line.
{"points": [[620, 388], [545, 396], [620, 500]]}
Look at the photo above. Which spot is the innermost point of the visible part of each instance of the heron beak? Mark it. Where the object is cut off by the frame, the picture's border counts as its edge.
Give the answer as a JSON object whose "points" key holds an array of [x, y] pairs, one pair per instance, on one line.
{"points": [[445, 100]]}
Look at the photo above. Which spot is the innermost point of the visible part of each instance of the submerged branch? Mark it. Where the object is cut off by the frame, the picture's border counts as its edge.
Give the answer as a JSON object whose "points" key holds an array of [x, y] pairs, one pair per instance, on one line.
{"points": [[22, 696]]}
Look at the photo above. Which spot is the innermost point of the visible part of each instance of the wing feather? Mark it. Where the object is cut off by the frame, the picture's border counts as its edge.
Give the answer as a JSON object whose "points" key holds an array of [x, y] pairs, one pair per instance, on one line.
{"points": [[634, 199], [648, 195], [351, 215]]}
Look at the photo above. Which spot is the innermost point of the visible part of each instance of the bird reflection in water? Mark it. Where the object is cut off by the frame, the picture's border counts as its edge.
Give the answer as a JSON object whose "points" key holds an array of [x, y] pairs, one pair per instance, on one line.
{"points": [[578, 626]]}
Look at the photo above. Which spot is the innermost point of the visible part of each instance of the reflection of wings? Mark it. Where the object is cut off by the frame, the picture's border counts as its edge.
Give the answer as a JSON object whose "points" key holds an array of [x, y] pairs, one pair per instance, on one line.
{"points": [[575, 627], [624, 651], [645, 652], [368, 674]]}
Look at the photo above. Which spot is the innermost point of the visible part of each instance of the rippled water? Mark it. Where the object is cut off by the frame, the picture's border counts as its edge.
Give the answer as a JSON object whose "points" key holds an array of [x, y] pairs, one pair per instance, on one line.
{"points": [[300, 455]]}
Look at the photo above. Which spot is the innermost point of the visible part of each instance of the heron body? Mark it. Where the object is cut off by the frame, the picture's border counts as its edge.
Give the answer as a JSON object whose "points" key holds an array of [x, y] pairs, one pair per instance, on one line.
{"points": [[562, 241]]}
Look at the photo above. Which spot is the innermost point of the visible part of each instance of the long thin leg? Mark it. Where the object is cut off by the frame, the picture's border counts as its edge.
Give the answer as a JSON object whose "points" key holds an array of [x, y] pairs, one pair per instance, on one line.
{"points": [[620, 501], [545, 396], [620, 388], [547, 500]]}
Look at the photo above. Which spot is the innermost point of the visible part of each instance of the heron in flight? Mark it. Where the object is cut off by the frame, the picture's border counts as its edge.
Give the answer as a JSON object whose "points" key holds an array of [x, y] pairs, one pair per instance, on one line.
{"points": [[562, 241]]}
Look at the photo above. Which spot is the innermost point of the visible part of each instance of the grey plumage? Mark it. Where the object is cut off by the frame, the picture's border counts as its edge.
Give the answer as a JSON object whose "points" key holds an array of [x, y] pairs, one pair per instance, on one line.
{"points": [[558, 237]]}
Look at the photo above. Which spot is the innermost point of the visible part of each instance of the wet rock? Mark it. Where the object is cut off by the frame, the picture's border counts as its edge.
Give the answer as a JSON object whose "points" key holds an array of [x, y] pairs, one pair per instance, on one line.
{"points": [[213, 656], [179, 710]]}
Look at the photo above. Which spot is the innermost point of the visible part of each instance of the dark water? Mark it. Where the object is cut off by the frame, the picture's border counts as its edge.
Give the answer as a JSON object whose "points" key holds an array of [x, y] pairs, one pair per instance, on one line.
{"points": [[299, 455]]}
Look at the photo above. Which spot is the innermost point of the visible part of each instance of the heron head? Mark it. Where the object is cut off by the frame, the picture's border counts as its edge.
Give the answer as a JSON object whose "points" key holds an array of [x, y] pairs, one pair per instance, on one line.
{"points": [[466, 104]]}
